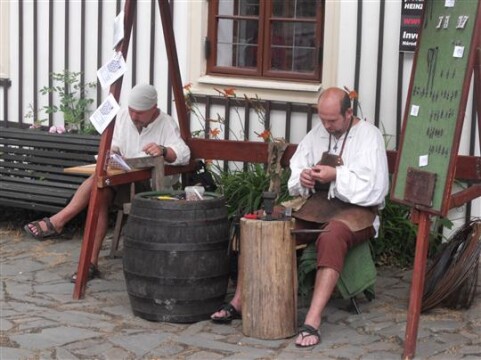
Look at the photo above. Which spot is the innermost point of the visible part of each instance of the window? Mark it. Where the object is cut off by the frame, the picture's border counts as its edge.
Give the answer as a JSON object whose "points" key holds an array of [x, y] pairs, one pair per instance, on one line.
{"points": [[274, 39]]}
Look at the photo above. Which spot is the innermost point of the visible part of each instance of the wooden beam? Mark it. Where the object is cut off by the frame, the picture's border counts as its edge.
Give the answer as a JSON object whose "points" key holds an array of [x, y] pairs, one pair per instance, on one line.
{"points": [[468, 168], [464, 196], [98, 195], [417, 285]]}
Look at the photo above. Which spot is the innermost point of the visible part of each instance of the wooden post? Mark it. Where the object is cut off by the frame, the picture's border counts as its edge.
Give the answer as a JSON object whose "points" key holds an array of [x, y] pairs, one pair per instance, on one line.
{"points": [[269, 281], [417, 284], [98, 195]]}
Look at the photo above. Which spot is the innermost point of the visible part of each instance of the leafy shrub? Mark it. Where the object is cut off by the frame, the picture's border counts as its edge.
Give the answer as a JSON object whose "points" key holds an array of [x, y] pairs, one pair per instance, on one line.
{"points": [[243, 189], [74, 101]]}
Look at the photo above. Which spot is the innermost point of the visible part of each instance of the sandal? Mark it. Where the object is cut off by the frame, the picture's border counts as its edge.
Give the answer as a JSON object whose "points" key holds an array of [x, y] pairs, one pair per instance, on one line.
{"points": [[307, 330], [230, 314], [41, 234], [93, 273]]}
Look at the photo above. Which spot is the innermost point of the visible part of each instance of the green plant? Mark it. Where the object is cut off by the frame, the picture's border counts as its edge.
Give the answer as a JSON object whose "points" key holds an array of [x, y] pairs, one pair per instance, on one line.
{"points": [[243, 189], [73, 97], [396, 241], [34, 115]]}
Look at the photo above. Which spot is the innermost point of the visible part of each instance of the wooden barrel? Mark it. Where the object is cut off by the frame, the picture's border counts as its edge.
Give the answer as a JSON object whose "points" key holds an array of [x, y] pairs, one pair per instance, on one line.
{"points": [[175, 259], [269, 279]]}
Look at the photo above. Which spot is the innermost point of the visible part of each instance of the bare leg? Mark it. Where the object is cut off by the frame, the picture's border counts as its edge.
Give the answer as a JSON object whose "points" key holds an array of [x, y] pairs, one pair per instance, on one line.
{"points": [[236, 301], [79, 202], [326, 279]]}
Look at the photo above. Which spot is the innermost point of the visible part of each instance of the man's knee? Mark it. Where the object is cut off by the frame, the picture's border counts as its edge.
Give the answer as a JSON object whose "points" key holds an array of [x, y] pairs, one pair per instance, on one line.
{"points": [[333, 245]]}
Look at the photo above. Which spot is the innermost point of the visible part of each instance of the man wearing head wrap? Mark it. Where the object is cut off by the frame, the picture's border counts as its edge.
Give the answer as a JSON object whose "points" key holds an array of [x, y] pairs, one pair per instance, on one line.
{"points": [[140, 130]]}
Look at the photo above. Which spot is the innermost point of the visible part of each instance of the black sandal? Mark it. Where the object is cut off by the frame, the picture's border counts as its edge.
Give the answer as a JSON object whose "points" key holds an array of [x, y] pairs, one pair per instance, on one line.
{"points": [[93, 273], [307, 330], [231, 314]]}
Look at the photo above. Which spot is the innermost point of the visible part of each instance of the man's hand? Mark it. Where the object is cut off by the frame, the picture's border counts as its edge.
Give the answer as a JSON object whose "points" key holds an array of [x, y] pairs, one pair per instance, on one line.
{"points": [[153, 149], [323, 173], [306, 179]]}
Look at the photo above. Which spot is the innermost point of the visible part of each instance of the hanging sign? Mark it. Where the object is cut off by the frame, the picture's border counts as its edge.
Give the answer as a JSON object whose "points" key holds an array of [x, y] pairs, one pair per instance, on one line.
{"points": [[411, 13]]}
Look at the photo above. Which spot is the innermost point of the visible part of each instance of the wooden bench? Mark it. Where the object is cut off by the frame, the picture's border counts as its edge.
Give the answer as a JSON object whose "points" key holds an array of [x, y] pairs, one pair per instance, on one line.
{"points": [[32, 163]]}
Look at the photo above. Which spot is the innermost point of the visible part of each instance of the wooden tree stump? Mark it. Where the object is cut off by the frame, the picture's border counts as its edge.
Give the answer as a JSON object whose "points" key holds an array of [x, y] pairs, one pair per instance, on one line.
{"points": [[269, 279]]}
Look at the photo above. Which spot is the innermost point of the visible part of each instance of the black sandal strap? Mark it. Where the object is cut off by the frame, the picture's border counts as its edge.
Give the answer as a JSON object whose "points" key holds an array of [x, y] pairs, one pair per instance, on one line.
{"points": [[308, 330]]}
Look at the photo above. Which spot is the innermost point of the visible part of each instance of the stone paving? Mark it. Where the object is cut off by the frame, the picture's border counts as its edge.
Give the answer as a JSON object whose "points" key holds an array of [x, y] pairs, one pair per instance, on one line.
{"points": [[40, 320]]}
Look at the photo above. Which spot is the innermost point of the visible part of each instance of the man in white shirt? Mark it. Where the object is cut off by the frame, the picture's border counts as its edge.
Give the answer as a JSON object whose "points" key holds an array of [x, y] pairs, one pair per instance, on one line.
{"points": [[140, 130], [340, 168]]}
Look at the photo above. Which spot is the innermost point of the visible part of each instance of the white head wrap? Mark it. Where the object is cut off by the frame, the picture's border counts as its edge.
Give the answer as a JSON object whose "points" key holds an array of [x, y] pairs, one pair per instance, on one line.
{"points": [[142, 97]]}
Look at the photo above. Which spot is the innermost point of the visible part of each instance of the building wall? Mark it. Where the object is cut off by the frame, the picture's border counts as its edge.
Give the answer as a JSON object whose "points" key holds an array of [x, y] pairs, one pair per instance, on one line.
{"points": [[25, 55]]}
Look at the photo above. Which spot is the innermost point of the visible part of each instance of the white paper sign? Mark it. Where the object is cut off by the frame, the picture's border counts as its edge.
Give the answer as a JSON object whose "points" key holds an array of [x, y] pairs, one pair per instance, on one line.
{"points": [[414, 110], [111, 71], [449, 3], [423, 160], [104, 114], [118, 29], [458, 51]]}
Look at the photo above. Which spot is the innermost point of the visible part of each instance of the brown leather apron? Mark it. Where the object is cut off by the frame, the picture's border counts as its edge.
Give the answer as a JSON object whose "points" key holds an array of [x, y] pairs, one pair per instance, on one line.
{"points": [[319, 209]]}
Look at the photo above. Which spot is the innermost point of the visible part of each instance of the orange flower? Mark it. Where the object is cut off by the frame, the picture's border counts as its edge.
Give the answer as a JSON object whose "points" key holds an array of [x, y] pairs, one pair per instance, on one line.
{"points": [[229, 91], [214, 132], [226, 92], [265, 135], [187, 86], [351, 93]]}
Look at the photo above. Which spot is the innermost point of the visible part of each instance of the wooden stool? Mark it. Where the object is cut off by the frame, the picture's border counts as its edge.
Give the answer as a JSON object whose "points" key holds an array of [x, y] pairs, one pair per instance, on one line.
{"points": [[157, 165], [269, 279]]}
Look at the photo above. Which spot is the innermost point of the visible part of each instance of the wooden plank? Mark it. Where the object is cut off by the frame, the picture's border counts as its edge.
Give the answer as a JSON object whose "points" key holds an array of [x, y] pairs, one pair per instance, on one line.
{"points": [[41, 175], [61, 145], [81, 157], [468, 168], [36, 190], [417, 285], [31, 206], [39, 183], [26, 134], [32, 198], [59, 162]]}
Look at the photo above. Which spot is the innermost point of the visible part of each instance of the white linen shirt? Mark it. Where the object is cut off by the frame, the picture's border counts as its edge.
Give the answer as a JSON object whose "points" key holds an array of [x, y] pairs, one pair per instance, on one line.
{"points": [[363, 179], [162, 131]]}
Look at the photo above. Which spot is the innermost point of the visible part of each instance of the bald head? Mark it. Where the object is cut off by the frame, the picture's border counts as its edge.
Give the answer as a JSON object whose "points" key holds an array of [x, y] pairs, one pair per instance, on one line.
{"points": [[335, 112], [334, 96]]}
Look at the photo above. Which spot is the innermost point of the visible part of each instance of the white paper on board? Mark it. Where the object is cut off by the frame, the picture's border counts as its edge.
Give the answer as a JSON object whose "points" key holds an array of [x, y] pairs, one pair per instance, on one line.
{"points": [[104, 114]]}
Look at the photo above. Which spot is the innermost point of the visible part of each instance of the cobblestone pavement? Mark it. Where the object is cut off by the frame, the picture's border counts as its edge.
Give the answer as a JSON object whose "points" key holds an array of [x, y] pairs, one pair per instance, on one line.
{"points": [[40, 320]]}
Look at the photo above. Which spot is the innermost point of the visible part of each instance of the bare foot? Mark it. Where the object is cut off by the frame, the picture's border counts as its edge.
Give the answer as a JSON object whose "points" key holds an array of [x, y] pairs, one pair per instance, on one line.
{"points": [[308, 336], [226, 314], [42, 228]]}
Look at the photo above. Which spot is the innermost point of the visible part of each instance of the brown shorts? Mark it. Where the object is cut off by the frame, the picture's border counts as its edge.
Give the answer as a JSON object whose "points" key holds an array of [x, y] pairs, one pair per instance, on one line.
{"points": [[333, 245]]}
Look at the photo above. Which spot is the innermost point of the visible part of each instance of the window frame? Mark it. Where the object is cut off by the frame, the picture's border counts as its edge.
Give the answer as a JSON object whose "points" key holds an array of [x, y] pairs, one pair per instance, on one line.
{"points": [[262, 70]]}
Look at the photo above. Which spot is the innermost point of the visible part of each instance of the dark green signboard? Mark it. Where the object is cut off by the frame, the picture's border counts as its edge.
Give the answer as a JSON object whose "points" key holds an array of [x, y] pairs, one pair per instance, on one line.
{"points": [[436, 104]]}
